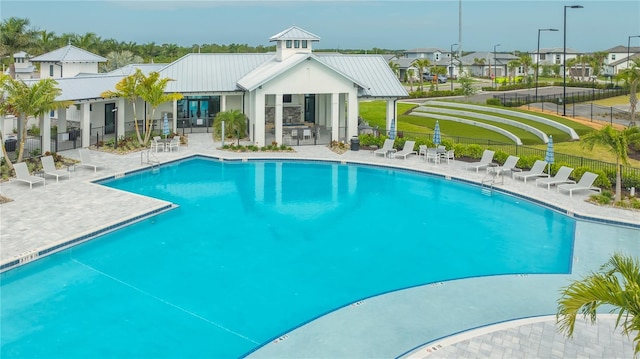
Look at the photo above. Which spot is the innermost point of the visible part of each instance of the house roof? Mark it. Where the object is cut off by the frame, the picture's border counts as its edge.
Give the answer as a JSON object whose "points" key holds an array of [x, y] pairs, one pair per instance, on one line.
{"points": [[85, 87], [424, 50], [501, 58], [211, 72], [556, 50], [294, 33], [20, 54], [623, 49], [131, 69], [624, 60], [69, 53]]}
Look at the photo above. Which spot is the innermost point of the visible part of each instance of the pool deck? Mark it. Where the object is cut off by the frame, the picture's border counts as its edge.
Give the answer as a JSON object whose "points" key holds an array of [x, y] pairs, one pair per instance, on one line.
{"points": [[471, 317]]}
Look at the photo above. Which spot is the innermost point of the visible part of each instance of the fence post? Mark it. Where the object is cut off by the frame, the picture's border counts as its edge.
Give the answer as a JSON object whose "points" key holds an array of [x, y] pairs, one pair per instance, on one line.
{"points": [[592, 112], [611, 115]]}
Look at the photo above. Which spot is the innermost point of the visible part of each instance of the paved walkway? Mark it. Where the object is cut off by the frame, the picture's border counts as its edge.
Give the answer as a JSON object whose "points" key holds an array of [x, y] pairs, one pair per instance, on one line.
{"points": [[402, 323]]}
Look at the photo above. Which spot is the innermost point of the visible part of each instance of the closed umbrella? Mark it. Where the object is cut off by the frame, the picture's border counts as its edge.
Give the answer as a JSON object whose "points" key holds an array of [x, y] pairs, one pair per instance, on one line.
{"points": [[392, 130], [549, 154], [436, 134], [165, 126]]}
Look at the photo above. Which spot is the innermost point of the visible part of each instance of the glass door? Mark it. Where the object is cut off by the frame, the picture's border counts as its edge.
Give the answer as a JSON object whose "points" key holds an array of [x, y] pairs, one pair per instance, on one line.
{"points": [[109, 118]]}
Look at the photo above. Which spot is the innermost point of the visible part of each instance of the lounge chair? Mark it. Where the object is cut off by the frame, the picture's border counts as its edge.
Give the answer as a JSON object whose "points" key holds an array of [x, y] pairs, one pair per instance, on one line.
{"points": [[536, 171], [485, 161], [585, 183], [50, 169], [85, 160], [562, 176], [387, 147], [23, 175], [407, 150], [508, 166]]}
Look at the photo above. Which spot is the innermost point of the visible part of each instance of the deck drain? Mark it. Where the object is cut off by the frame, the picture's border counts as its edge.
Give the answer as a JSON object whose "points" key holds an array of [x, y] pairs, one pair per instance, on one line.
{"points": [[282, 338], [358, 303], [437, 284]]}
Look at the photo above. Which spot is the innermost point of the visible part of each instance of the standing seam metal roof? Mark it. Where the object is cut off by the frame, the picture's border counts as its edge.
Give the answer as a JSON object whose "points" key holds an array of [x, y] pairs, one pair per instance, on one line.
{"points": [[294, 33], [69, 53]]}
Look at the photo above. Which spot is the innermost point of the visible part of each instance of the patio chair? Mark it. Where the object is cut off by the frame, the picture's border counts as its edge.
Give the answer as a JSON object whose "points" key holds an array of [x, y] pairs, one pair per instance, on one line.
{"points": [[85, 160], [508, 165], [433, 155], [422, 151], [585, 183], [175, 143], [156, 143], [407, 150], [23, 175], [306, 134], [386, 147], [562, 176], [49, 168], [485, 161], [536, 171], [449, 156]]}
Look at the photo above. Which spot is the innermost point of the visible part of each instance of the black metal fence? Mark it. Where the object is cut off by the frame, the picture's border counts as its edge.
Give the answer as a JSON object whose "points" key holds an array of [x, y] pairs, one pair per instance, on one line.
{"points": [[515, 99], [590, 111], [32, 147]]}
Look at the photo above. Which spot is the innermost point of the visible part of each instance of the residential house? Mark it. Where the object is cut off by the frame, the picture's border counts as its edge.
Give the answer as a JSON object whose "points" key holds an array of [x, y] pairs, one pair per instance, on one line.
{"points": [[67, 61], [616, 60], [489, 64]]}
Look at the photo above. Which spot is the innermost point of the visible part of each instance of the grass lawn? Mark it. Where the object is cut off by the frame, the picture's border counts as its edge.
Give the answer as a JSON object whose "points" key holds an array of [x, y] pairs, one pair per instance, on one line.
{"points": [[613, 101], [576, 149]]}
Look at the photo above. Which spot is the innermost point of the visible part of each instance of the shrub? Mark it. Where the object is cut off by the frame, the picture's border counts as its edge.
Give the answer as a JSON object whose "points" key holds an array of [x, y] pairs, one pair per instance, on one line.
{"points": [[494, 101]]}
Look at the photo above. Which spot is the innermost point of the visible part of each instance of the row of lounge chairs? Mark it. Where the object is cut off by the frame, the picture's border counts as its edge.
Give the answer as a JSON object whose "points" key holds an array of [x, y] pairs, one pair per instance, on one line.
{"points": [[561, 178], [49, 169], [388, 150]]}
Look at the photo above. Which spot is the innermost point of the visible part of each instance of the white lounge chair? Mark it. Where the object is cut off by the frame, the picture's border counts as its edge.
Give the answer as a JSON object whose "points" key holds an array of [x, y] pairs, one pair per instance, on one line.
{"points": [[23, 175], [536, 171], [386, 147], [562, 176], [407, 150], [508, 165], [85, 160], [585, 183], [49, 168], [485, 161]]}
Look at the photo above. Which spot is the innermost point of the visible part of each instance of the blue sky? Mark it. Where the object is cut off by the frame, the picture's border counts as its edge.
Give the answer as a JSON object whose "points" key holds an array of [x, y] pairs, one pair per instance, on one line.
{"points": [[390, 24]]}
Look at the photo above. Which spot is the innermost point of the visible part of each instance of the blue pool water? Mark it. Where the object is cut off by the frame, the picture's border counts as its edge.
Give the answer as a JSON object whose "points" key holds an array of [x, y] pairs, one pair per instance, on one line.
{"points": [[255, 249]]}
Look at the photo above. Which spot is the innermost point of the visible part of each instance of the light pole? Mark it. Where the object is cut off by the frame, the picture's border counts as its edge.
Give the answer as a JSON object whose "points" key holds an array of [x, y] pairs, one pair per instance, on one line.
{"points": [[451, 65], [564, 59], [538, 59], [628, 46], [495, 65]]}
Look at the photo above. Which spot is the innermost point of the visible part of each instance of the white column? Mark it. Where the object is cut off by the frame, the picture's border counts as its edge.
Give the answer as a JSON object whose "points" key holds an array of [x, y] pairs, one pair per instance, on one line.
{"points": [[335, 120], [223, 103], [62, 119], [258, 107], [352, 114], [342, 116], [45, 132], [85, 124], [278, 120], [120, 103], [391, 114], [174, 109], [321, 112]]}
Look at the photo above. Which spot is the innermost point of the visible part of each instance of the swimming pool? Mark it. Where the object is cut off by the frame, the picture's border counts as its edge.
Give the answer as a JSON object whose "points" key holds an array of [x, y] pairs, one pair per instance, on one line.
{"points": [[258, 248]]}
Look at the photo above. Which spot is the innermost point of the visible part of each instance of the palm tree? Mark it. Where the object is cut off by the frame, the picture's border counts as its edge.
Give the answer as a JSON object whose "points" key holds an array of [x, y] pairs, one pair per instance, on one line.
{"points": [[395, 67], [421, 64], [631, 77], [617, 284], [23, 101], [410, 75], [15, 35], [617, 142], [513, 66], [438, 70], [152, 89], [234, 122], [571, 63], [127, 88], [597, 61], [116, 60], [526, 62]]}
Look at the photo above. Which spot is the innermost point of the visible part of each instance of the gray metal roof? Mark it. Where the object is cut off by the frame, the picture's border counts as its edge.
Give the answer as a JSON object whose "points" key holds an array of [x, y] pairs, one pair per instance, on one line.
{"points": [[423, 50], [69, 53], [294, 33], [556, 50], [211, 72], [131, 69], [370, 70], [85, 87]]}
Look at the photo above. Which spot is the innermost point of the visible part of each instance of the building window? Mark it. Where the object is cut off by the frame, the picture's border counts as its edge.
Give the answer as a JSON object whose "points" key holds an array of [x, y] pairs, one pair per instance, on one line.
{"points": [[286, 98], [296, 44], [304, 44], [543, 57], [51, 70], [557, 58], [437, 56], [613, 57], [288, 44]]}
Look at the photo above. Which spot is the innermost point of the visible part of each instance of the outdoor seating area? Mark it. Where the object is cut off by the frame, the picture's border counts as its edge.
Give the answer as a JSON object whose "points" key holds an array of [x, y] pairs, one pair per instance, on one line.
{"points": [[23, 175], [585, 184], [85, 160], [49, 169]]}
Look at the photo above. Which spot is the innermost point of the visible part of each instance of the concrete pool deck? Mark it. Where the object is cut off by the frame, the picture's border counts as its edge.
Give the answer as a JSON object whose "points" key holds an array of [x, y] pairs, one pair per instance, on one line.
{"points": [[409, 322]]}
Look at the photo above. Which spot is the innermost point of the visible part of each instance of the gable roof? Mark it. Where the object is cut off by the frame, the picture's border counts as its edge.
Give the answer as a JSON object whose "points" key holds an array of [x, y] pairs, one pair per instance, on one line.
{"points": [[425, 50], [84, 87], [294, 33], [623, 49], [69, 53], [271, 69], [556, 50], [131, 69]]}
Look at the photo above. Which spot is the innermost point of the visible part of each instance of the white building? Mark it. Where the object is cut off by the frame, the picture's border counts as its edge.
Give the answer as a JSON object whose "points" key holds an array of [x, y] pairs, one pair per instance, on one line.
{"points": [[279, 93], [67, 61]]}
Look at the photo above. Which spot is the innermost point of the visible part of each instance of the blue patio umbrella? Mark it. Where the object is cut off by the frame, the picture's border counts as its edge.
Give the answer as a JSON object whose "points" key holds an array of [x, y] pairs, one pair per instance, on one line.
{"points": [[436, 134], [392, 129], [549, 154], [165, 126]]}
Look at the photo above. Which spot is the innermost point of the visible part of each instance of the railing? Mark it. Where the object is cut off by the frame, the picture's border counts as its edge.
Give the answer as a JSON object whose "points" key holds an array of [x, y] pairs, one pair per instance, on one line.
{"points": [[515, 99], [32, 147]]}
